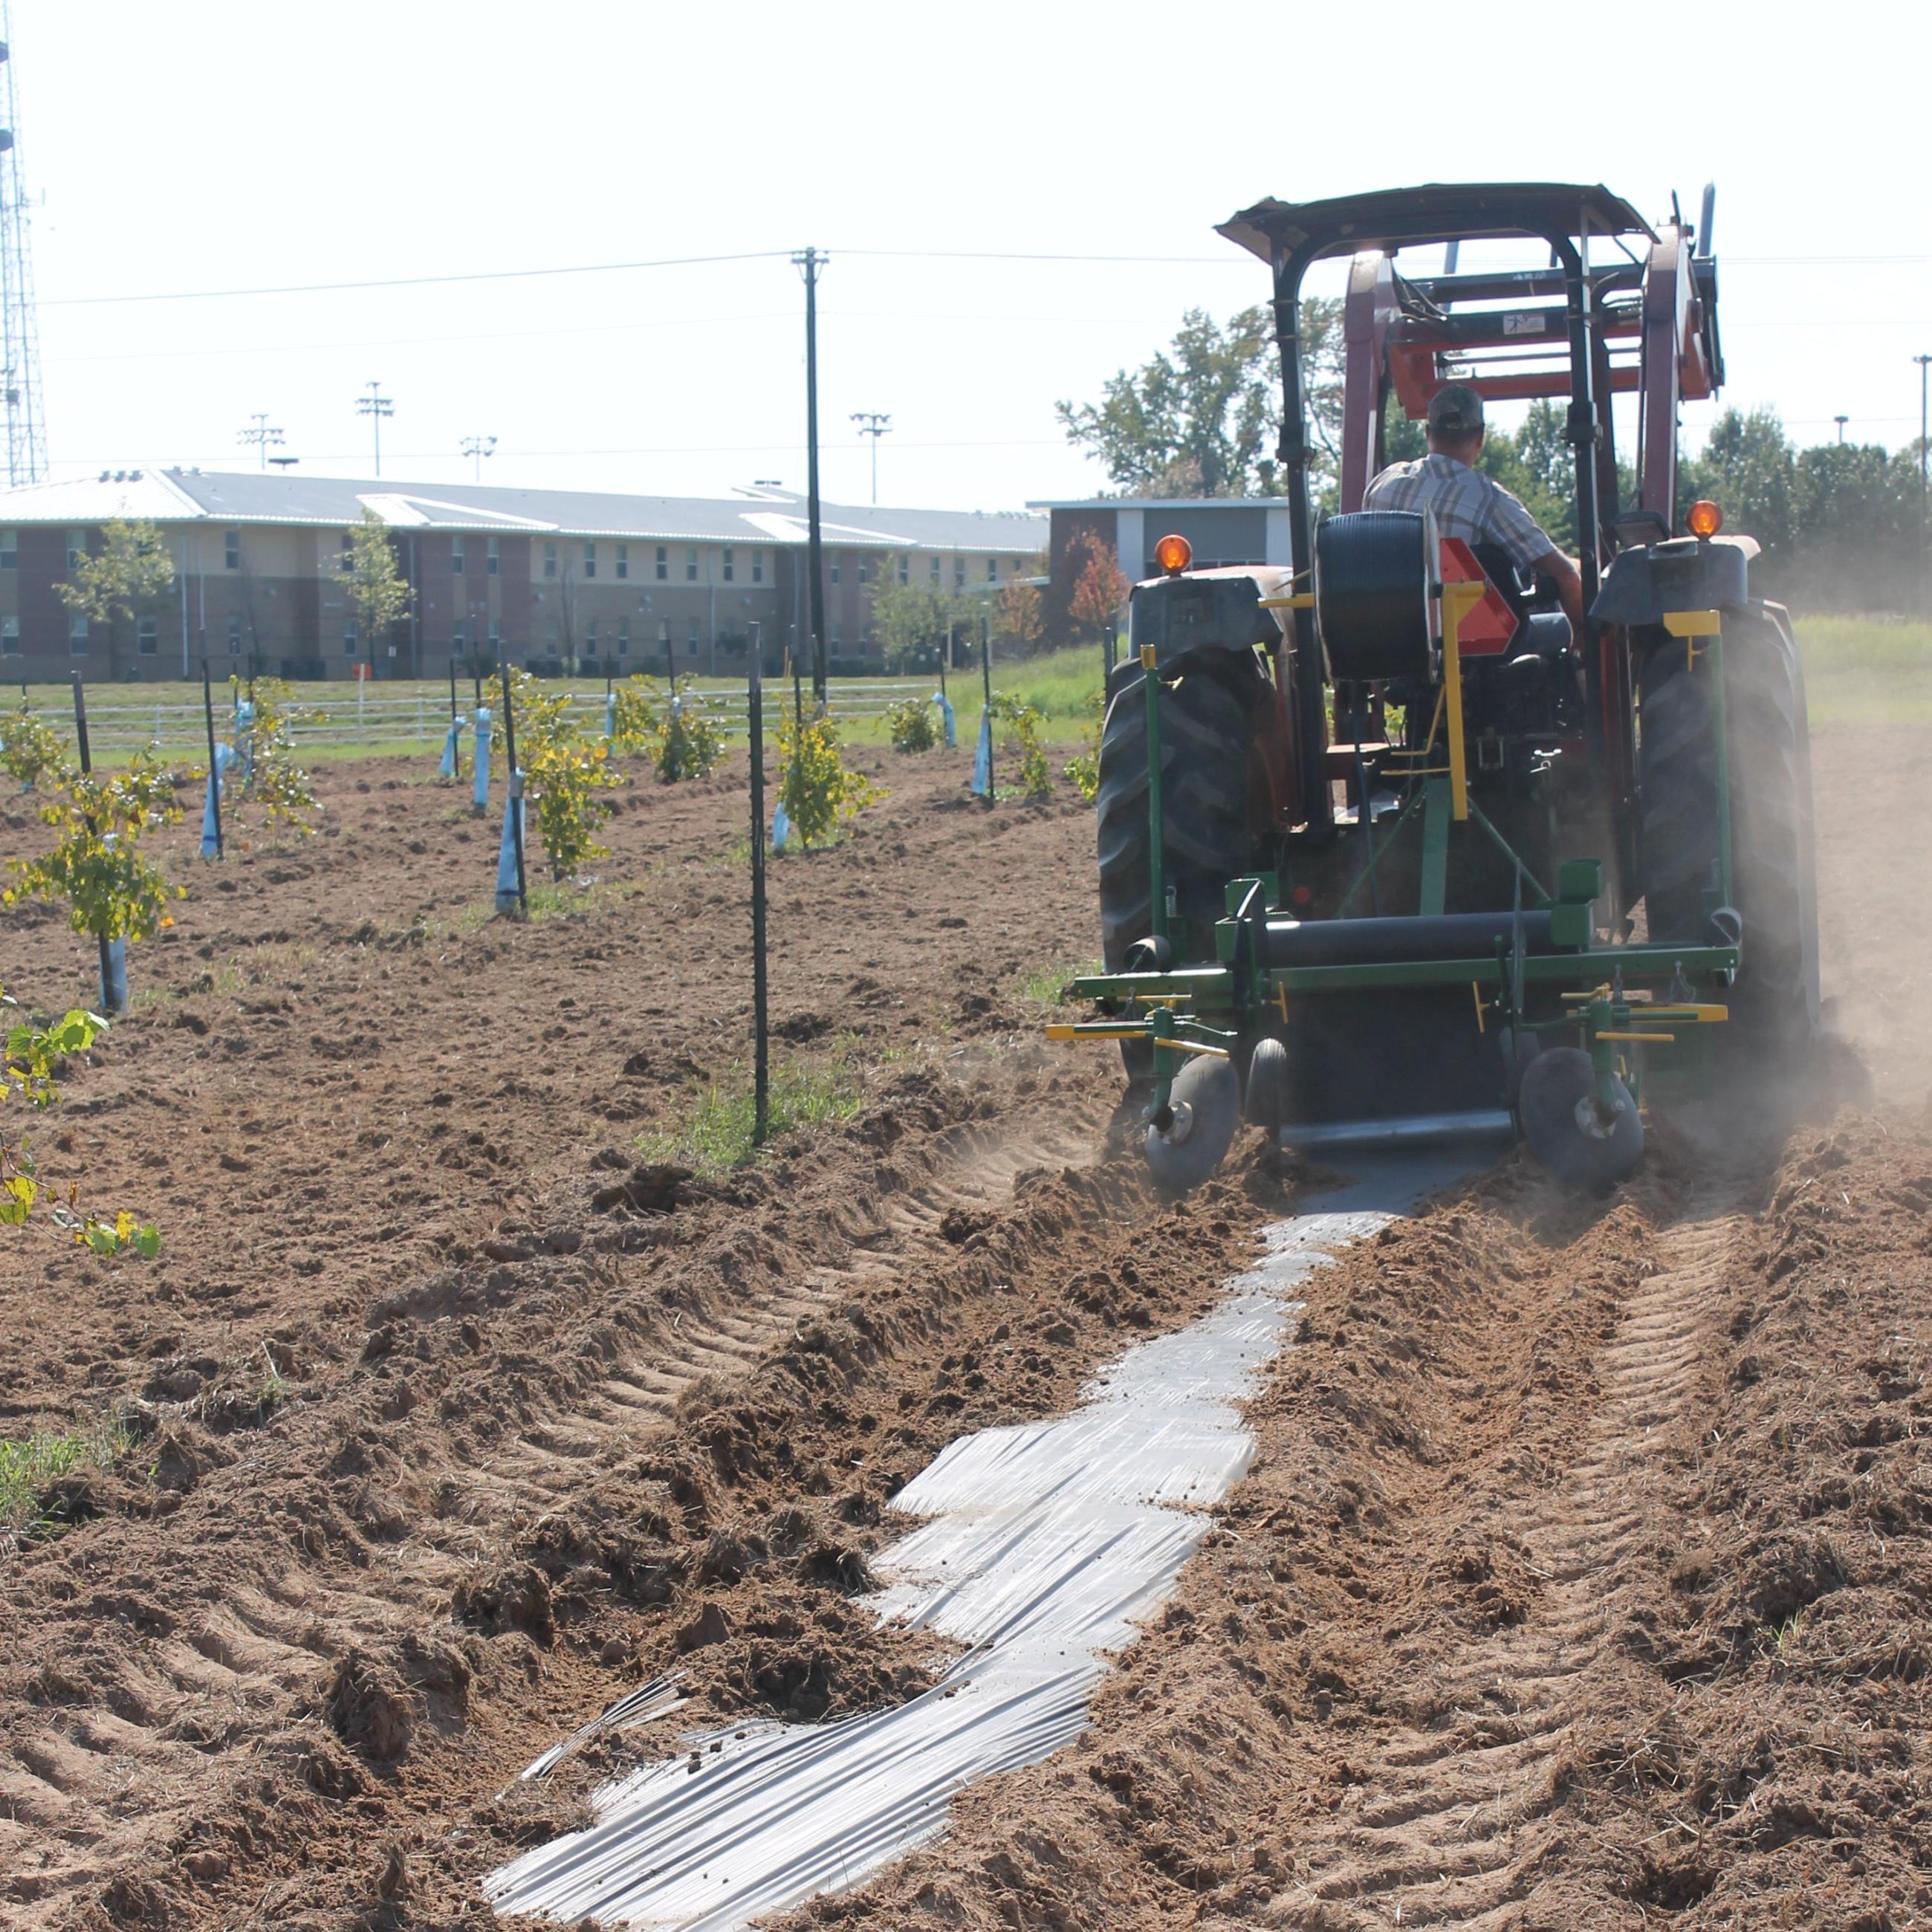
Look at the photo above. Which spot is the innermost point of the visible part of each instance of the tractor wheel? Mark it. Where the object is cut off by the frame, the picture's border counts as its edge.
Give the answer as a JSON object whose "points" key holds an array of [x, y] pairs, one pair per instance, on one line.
{"points": [[1209, 717], [1774, 1003], [1205, 1102], [1268, 1094], [1566, 1127]]}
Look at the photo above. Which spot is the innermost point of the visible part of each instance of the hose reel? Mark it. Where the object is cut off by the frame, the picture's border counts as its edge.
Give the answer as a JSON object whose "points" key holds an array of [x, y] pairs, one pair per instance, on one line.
{"points": [[1375, 574]]}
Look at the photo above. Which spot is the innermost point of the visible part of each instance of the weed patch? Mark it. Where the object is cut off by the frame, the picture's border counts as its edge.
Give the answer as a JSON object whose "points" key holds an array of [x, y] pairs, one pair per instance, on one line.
{"points": [[30, 1467], [716, 1137]]}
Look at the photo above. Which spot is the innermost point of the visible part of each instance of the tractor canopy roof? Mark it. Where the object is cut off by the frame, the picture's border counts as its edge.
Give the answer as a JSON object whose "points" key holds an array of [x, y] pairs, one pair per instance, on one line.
{"points": [[1391, 218]]}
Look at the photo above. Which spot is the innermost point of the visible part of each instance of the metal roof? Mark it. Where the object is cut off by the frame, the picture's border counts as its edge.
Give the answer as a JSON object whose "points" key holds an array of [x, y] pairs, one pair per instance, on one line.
{"points": [[1391, 218], [1160, 503], [252, 497]]}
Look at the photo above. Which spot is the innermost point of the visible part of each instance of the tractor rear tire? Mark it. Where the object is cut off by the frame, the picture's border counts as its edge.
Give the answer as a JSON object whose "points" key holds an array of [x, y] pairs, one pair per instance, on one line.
{"points": [[1209, 716], [1775, 1003]]}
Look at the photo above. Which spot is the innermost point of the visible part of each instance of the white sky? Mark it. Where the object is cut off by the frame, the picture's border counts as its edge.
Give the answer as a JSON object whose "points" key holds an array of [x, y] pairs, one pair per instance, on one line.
{"points": [[208, 145]]}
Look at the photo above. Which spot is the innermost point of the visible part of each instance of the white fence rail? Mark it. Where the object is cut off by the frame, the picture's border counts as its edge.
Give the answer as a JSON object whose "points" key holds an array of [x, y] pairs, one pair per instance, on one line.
{"points": [[359, 716]]}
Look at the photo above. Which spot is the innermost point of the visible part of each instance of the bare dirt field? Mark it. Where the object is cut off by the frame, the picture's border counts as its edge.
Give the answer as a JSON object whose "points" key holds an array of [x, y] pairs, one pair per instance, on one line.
{"points": [[1580, 1580]]}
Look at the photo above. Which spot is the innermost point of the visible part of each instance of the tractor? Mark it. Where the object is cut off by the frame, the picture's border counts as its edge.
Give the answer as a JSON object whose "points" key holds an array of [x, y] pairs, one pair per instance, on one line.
{"points": [[1386, 855]]}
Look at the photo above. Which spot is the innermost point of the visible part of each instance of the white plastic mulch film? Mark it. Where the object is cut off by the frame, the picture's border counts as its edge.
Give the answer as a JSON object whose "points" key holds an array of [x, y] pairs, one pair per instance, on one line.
{"points": [[1046, 1544]]}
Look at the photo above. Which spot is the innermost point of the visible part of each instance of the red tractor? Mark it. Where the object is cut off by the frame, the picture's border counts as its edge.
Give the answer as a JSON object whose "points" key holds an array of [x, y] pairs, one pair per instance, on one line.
{"points": [[1387, 852]]}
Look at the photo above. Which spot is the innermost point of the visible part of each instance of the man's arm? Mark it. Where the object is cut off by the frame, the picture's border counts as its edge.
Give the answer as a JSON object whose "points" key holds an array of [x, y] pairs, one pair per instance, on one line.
{"points": [[1569, 586]]}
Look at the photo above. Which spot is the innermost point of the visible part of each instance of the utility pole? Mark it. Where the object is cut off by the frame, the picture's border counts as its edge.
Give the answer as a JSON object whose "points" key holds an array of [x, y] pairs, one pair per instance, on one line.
{"points": [[810, 262], [872, 424], [1841, 421], [478, 447], [375, 406], [1925, 560], [259, 432]]}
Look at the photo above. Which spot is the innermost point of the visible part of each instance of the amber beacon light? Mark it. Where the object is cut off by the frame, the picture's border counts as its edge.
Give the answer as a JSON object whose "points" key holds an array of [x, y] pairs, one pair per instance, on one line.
{"points": [[1705, 518], [1173, 553]]}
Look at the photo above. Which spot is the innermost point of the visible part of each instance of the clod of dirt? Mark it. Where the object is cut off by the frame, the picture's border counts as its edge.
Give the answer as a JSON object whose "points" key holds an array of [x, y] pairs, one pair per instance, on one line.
{"points": [[710, 1625], [516, 1596], [656, 1189], [368, 1708]]}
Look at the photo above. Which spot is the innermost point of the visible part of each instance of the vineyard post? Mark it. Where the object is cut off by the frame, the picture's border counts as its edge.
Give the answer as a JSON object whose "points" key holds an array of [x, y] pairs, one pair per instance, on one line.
{"points": [[452, 687], [760, 1034], [213, 768], [986, 692], [516, 789], [108, 1002]]}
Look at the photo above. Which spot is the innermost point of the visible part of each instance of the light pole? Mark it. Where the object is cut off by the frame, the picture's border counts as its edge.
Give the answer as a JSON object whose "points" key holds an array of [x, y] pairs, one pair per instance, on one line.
{"points": [[375, 406], [259, 434], [479, 447], [873, 423], [1841, 421]]}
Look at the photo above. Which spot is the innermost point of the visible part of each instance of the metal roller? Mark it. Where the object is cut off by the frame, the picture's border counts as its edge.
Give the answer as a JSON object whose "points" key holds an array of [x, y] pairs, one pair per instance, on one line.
{"points": [[1374, 571], [1454, 935]]}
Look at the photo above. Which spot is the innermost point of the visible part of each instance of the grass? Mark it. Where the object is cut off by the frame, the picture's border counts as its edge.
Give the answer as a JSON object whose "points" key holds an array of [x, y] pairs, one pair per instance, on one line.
{"points": [[1046, 985], [29, 1468], [1867, 669], [716, 1137]]}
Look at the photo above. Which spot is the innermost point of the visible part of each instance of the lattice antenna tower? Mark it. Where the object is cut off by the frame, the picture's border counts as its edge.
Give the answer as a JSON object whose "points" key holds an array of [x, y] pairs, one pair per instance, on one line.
{"points": [[19, 334]]}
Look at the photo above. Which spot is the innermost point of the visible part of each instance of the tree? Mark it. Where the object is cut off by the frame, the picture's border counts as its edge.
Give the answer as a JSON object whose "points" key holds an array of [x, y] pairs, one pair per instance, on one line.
{"points": [[127, 578], [377, 595], [909, 619], [1747, 465], [1101, 587], [1200, 419], [1020, 616]]}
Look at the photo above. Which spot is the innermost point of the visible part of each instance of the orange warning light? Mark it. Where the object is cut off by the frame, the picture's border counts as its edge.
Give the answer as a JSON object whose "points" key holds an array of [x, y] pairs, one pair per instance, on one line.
{"points": [[1173, 553], [1705, 518]]}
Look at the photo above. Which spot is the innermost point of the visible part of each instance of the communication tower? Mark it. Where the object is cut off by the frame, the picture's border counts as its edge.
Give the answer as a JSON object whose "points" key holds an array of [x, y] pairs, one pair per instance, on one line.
{"points": [[19, 337]]}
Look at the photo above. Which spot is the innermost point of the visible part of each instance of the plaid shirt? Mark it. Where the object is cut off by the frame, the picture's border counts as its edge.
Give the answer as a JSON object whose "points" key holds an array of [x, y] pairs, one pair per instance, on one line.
{"points": [[1467, 504]]}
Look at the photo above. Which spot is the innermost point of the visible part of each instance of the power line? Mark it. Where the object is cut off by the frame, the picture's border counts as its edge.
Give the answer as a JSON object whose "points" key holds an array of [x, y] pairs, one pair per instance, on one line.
{"points": [[416, 281]]}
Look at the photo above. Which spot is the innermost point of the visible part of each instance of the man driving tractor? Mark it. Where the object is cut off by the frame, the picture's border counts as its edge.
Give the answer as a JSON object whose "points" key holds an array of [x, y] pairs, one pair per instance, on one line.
{"points": [[1470, 505]]}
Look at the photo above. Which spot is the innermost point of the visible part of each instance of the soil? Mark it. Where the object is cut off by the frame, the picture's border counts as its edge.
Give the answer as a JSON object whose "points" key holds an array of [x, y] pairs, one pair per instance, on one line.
{"points": [[1580, 1579]]}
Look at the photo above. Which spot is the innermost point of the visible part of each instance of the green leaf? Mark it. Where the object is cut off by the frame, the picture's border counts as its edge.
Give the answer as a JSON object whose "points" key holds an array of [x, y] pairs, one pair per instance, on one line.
{"points": [[147, 1242]]}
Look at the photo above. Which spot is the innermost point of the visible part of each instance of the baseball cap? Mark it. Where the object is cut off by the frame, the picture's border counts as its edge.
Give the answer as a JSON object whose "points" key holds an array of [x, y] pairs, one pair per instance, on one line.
{"points": [[1455, 409]]}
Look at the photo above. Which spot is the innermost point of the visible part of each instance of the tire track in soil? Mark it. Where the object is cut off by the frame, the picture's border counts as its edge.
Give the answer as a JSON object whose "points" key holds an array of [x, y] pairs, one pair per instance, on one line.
{"points": [[269, 1681], [1452, 1823]]}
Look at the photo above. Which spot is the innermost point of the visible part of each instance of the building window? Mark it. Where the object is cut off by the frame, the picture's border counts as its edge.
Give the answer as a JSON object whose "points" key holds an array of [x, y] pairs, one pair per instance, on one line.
{"points": [[623, 562], [456, 557], [76, 637], [992, 570], [590, 560], [496, 637], [147, 636], [690, 637], [234, 637], [348, 641], [757, 566], [664, 637], [835, 566], [590, 637], [730, 568], [690, 565], [1018, 565], [458, 640], [959, 573], [935, 570], [549, 559], [76, 549], [10, 637], [494, 561], [664, 563], [10, 550], [232, 551], [623, 637], [905, 569]]}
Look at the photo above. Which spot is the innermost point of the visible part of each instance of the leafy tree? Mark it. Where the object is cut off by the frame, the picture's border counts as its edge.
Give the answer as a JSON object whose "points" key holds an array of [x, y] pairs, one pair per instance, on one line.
{"points": [[1100, 587], [1023, 722], [912, 724], [1019, 613], [1747, 466], [818, 790], [563, 771], [29, 749], [378, 597], [266, 767], [125, 579], [1201, 418], [30, 1059], [910, 619]]}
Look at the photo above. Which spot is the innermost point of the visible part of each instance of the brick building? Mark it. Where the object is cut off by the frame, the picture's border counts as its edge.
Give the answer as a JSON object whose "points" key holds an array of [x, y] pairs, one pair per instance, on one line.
{"points": [[550, 579]]}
